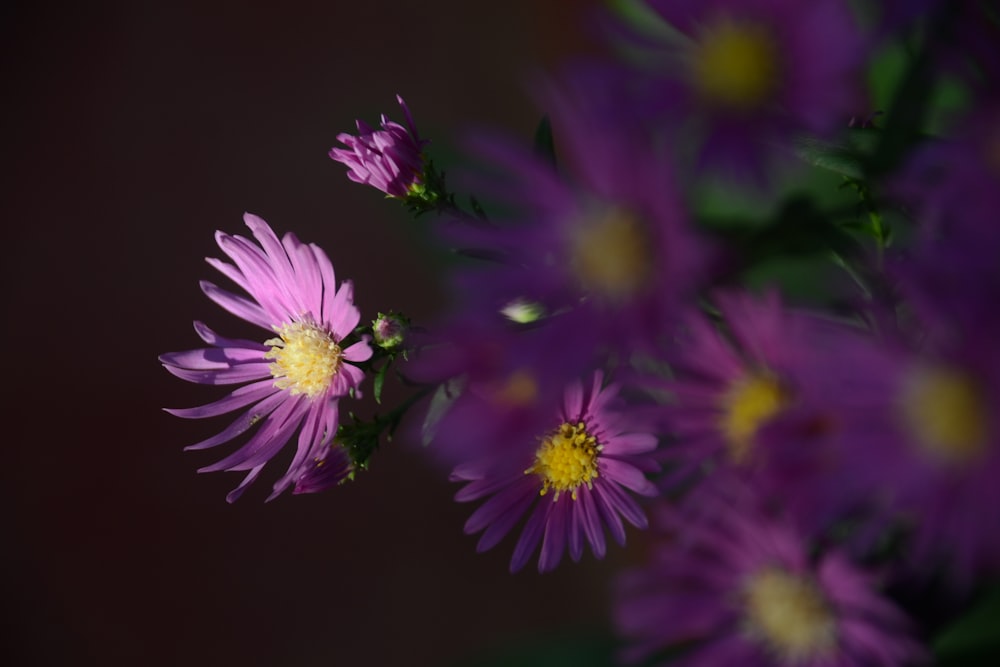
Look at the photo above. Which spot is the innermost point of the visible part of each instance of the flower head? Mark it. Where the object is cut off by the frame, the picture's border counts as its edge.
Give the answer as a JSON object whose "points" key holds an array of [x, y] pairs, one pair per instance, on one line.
{"points": [[390, 330], [389, 159], [741, 78], [297, 375], [605, 241], [571, 481], [331, 466], [730, 385], [920, 439], [744, 588]]}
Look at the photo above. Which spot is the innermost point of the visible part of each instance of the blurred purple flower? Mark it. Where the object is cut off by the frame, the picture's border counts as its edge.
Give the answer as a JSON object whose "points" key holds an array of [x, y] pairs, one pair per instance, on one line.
{"points": [[605, 240], [731, 385], [919, 435], [594, 452], [737, 587], [389, 159], [296, 377], [743, 77]]}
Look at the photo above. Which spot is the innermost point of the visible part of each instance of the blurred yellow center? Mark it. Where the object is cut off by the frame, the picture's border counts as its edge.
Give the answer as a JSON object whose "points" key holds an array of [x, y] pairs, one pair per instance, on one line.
{"points": [[946, 415], [789, 614], [749, 402], [520, 388], [566, 459], [305, 358], [610, 254], [735, 65]]}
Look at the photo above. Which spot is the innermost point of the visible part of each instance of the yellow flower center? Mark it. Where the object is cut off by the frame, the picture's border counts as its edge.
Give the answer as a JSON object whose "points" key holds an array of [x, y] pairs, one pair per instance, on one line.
{"points": [[735, 65], [789, 614], [566, 459], [610, 253], [946, 415], [749, 402], [305, 358]]}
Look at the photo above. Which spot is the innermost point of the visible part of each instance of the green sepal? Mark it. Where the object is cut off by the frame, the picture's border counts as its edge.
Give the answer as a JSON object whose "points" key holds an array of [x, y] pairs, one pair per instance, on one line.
{"points": [[379, 381]]}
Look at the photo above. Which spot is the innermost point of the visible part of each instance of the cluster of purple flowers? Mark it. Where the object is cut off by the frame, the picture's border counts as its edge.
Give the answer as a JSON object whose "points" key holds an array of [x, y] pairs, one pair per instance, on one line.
{"points": [[608, 361]]}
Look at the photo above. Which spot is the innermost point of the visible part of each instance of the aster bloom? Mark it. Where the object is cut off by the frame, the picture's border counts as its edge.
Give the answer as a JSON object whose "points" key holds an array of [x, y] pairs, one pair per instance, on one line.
{"points": [[920, 435], [746, 74], [606, 240], [571, 482], [328, 468], [389, 159], [728, 385], [297, 375], [744, 588]]}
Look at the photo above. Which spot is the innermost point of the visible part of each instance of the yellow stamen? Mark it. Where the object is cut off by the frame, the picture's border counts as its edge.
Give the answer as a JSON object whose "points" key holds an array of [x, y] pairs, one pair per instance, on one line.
{"points": [[305, 358], [946, 415], [735, 65], [566, 459], [610, 253], [789, 614], [749, 402]]}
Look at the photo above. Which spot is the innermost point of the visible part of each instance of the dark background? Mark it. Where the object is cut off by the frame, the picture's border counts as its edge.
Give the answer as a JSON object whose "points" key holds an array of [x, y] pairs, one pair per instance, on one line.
{"points": [[132, 131]]}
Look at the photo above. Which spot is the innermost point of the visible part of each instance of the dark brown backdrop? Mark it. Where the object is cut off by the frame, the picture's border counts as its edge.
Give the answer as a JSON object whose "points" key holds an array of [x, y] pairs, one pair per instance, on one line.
{"points": [[132, 131]]}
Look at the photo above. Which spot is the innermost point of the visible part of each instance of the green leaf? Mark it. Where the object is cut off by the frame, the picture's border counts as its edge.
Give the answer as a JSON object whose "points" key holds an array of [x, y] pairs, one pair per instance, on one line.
{"points": [[545, 146], [974, 639], [840, 157]]}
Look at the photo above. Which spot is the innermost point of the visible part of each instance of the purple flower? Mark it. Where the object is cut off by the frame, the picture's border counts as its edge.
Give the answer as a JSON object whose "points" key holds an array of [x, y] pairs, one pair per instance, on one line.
{"points": [[571, 481], [737, 587], [605, 240], [743, 77], [919, 435], [331, 466], [389, 159], [297, 376], [729, 385]]}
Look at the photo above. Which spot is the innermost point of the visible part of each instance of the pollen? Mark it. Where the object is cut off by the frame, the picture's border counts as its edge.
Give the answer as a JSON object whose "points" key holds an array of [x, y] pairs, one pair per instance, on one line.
{"points": [[735, 65], [306, 358], [788, 614], [566, 459], [609, 253], [749, 402], [945, 414]]}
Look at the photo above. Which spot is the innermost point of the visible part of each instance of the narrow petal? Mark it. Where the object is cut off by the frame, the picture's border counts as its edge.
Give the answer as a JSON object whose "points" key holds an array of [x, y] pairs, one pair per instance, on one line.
{"points": [[497, 505], [530, 536], [236, 399], [243, 422], [626, 475], [215, 340], [232, 375], [503, 523], [360, 351], [591, 522], [251, 477], [237, 305], [209, 358], [554, 541]]}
